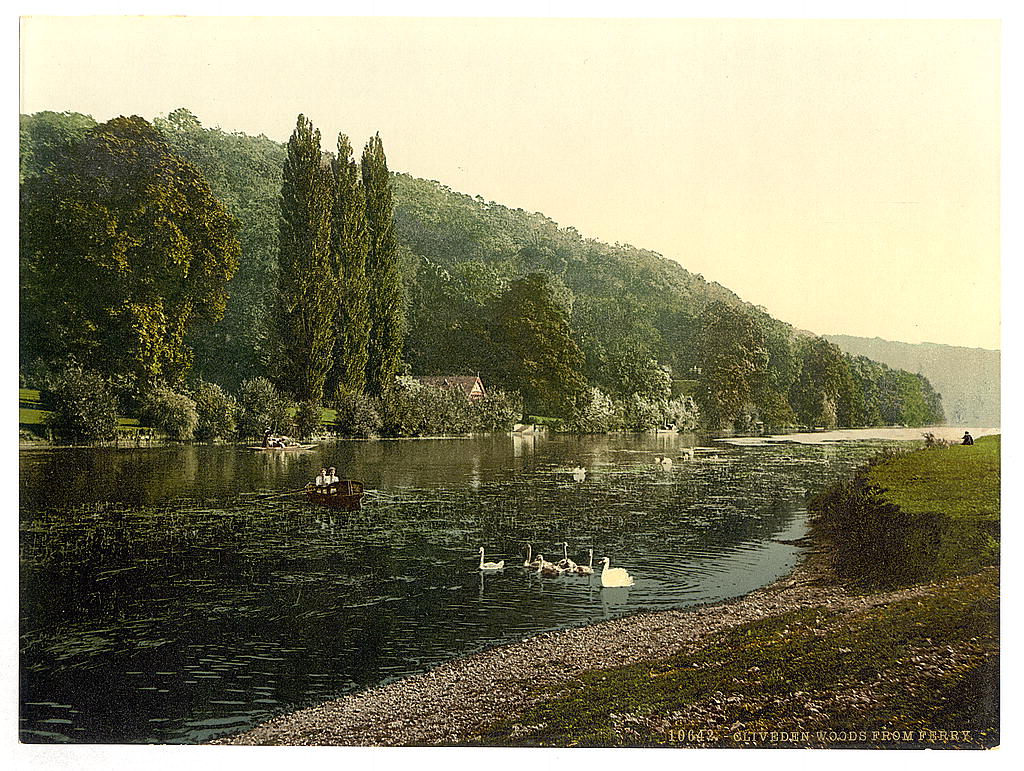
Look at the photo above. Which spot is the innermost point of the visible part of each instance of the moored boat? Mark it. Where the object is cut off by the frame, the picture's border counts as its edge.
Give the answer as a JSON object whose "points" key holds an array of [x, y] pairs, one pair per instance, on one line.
{"points": [[348, 495], [279, 449]]}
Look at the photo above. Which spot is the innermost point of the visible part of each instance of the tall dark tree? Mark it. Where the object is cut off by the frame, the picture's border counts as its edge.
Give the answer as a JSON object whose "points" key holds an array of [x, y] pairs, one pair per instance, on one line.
{"points": [[386, 300], [732, 358], [532, 349], [818, 394], [124, 248], [350, 244], [307, 283]]}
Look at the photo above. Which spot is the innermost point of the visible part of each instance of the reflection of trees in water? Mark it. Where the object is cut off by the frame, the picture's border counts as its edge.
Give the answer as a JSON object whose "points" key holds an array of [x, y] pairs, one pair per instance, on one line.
{"points": [[70, 476]]}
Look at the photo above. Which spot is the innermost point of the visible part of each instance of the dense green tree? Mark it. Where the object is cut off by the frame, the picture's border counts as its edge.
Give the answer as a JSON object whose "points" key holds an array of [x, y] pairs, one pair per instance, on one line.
{"points": [[497, 411], [934, 413], [173, 413], [631, 311], [386, 299], [47, 137], [124, 248], [215, 411], [904, 402], [349, 248], [823, 380], [532, 350], [357, 415], [307, 283], [732, 357], [619, 345], [83, 406], [595, 413], [449, 331], [771, 385], [260, 409], [867, 374]]}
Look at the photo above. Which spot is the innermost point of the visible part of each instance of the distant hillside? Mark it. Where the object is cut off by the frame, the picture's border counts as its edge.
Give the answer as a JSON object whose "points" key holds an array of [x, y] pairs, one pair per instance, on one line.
{"points": [[967, 378]]}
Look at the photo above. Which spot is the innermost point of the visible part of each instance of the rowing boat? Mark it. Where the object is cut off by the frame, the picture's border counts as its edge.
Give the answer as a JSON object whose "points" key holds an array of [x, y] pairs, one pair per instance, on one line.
{"points": [[348, 495]]}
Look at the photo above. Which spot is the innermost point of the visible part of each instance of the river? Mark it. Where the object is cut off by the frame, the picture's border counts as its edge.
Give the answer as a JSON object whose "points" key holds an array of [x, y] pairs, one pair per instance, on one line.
{"points": [[164, 600]]}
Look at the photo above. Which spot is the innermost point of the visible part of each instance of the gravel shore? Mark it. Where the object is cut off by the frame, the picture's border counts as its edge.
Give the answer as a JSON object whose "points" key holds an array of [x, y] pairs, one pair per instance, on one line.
{"points": [[453, 702]]}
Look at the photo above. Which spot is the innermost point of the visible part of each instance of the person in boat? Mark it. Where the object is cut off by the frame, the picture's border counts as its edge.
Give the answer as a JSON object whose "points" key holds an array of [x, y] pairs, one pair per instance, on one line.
{"points": [[332, 480], [968, 439], [322, 481]]}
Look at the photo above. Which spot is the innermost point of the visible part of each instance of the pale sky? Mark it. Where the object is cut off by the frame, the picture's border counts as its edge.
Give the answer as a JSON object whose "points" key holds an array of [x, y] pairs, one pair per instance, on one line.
{"points": [[844, 175]]}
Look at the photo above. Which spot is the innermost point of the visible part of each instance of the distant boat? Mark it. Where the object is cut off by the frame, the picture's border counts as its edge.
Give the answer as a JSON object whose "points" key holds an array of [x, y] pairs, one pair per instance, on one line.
{"points": [[667, 429], [347, 498], [261, 448]]}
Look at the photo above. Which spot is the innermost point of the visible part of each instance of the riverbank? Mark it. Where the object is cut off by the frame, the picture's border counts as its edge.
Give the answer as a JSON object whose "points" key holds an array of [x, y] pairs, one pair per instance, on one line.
{"points": [[813, 660]]}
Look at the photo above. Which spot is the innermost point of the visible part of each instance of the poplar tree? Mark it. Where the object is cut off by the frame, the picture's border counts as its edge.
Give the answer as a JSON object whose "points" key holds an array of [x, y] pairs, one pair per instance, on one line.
{"points": [[349, 247], [307, 285], [384, 282]]}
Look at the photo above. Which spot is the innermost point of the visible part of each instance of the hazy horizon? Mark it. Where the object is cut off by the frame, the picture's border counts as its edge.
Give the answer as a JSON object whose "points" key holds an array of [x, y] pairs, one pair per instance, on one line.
{"points": [[843, 175]]}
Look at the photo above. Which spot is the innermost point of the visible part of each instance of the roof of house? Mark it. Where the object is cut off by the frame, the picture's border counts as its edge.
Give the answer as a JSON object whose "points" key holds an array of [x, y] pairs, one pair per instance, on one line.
{"points": [[466, 382]]}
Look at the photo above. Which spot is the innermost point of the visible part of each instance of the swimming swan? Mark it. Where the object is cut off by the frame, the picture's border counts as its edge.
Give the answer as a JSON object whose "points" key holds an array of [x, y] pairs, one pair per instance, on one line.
{"points": [[588, 569], [530, 563], [565, 563], [614, 576], [548, 569], [490, 565]]}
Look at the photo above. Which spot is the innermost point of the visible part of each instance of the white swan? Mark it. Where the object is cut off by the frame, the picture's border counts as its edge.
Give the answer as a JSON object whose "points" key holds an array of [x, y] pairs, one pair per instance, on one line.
{"points": [[663, 461], [530, 563], [490, 565], [565, 563], [548, 569], [588, 569], [579, 474], [614, 576]]}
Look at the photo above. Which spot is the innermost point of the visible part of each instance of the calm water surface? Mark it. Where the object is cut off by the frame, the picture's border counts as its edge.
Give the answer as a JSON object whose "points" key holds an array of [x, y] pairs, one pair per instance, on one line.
{"points": [[163, 601]]}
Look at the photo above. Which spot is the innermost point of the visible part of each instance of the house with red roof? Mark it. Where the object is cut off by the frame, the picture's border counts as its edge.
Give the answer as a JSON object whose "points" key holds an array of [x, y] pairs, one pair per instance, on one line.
{"points": [[471, 385]]}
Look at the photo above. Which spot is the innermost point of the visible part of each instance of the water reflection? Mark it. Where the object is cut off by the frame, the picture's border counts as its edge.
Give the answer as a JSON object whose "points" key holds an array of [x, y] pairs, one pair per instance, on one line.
{"points": [[162, 601], [613, 600]]}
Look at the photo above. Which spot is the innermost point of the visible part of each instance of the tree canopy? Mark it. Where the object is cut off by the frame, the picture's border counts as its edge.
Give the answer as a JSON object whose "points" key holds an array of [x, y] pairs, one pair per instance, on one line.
{"points": [[124, 249]]}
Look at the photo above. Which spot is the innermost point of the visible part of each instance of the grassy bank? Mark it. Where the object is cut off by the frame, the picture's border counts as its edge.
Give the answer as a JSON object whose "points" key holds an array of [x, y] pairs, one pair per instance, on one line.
{"points": [[903, 667], [913, 518]]}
